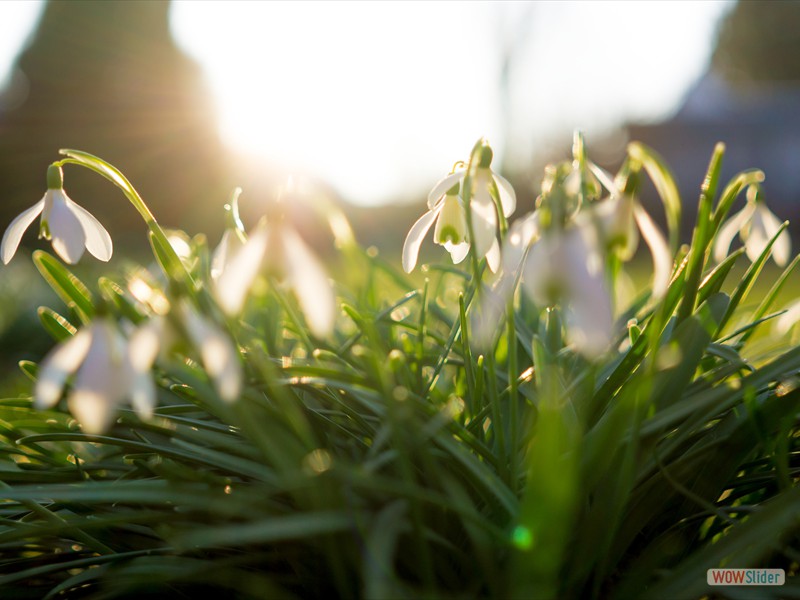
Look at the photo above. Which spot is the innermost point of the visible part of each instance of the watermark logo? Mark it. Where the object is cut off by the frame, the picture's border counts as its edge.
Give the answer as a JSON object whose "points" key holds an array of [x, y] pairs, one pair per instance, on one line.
{"points": [[746, 577]]}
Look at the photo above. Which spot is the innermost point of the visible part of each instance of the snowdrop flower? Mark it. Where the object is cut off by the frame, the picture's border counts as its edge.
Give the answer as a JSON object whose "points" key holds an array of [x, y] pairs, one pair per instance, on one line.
{"points": [[450, 231], [217, 352], [446, 207], [563, 267], [618, 221], [756, 226], [276, 248], [106, 371], [70, 227]]}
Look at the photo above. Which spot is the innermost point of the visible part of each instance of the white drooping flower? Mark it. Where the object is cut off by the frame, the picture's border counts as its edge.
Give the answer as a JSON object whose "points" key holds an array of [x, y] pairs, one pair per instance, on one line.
{"points": [[70, 227], [276, 248], [447, 209], [564, 268], [217, 352], [107, 370], [756, 226]]}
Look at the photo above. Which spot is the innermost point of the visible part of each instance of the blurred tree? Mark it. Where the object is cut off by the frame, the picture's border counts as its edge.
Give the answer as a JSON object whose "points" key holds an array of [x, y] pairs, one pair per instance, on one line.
{"points": [[758, 42], [106, 77]]}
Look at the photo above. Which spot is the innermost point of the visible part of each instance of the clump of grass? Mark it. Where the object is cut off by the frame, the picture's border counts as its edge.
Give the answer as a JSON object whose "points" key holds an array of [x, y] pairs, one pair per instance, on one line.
{"points": [[411, 451]]}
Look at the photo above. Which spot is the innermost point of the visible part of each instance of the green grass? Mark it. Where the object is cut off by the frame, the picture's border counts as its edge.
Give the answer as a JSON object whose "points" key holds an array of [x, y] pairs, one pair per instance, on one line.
{"points": [[395, 459]]}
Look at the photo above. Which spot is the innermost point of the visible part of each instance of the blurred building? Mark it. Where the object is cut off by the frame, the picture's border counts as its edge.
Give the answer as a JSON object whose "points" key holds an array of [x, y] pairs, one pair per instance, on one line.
{"points": [[106, 78], [750, 100]]}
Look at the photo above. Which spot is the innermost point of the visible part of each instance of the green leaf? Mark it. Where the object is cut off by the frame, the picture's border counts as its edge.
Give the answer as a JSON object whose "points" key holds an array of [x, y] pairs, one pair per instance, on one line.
{"points": [[57, 326], [68, 287], [664, 182]]}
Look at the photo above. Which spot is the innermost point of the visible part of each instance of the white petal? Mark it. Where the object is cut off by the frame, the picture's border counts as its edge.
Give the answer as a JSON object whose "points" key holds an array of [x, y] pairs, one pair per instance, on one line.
{"points": [[143, 394], [310, 283], [508, 198], [228, 247], [729, 230], [14, 231], [484, 217], [521, 235], [68, 236], [217, 352], [415, 236], [788, 319], [98, 242], [458, 252], [59, 364], [442, 187], [235, 281], [102, 380], [589, 318], [493, 257], [782, 247], [144, 345], [662, 259]]}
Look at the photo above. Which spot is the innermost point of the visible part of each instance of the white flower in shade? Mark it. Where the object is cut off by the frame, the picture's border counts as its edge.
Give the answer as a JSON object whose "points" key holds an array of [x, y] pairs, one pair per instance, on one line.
{"points": [[70, 227], [218, 353], [277, 249], [563, 267], [106, 372], [756, 226], [446, 207]]}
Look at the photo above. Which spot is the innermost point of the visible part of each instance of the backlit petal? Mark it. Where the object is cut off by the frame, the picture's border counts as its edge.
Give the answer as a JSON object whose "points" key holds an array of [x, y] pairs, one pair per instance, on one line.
{"points": [[98, 242], [521, 235], [235, 281], [68, 236], [59, 364], [310, 283], [14, 231], [508, 198], [729, 230], [493, 257], [415, 236], [217, 352], [781, 249], [788, 319], [662, 259], [458, 252], [484, 217], [442, 187], [102, 380]]}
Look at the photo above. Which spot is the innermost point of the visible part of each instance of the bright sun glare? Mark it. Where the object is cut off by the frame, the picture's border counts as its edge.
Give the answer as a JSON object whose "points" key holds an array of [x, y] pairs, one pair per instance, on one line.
{"points": [[346, 91], [379, 99]]}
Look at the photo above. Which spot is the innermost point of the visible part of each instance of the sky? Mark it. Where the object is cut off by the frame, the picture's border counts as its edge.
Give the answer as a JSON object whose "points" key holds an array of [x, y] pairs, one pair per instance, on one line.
{"points": [[380, 99]]}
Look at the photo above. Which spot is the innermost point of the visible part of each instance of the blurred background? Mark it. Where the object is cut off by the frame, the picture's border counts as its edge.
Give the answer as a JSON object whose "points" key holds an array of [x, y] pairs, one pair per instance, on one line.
{"points": [[373, 102]]}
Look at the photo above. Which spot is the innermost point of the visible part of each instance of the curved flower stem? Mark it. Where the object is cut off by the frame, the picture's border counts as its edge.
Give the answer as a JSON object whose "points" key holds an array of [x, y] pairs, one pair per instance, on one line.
{"points": [[115, 176]]}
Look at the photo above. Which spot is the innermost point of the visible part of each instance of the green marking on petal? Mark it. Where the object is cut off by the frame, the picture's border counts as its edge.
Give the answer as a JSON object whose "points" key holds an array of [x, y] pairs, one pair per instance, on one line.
{"points": [[448, 233], [44, 229]]}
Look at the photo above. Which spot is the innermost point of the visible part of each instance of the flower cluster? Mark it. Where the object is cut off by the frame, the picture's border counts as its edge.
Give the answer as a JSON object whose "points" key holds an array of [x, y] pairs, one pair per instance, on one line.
{"points": [[565, 255]]}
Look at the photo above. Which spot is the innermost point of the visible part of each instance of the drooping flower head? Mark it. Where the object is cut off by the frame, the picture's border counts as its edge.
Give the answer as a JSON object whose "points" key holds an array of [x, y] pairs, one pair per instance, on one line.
{"points": [[756, 226], [447, 208], [276, 249], [106, 372], [69, 227]]}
